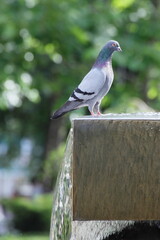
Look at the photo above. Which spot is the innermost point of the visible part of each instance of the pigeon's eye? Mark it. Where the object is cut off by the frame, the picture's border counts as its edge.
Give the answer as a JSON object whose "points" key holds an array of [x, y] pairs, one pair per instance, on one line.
{"points": [[113, 44]]}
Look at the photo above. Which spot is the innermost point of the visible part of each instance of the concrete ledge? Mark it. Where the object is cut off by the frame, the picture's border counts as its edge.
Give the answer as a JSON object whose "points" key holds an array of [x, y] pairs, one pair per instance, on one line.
{"points": [[62, 224], [116, 167]]}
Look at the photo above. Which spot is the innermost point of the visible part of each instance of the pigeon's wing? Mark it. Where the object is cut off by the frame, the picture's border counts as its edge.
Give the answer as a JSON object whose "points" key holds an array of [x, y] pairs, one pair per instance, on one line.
{"points": [[90, 86]]}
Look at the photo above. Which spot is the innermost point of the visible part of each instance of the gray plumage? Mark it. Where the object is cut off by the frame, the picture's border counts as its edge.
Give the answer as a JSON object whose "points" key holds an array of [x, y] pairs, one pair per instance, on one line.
{"points": [[95, 85]]}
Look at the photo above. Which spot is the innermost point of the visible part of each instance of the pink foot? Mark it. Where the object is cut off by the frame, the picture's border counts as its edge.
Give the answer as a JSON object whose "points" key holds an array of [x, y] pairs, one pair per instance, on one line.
{"points": [[92, 113], [99, 113]]}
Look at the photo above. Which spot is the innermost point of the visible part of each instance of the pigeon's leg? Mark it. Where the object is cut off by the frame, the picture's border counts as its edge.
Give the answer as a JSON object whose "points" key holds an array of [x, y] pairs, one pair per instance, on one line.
{"points": [[90, 108], [96, 108]]}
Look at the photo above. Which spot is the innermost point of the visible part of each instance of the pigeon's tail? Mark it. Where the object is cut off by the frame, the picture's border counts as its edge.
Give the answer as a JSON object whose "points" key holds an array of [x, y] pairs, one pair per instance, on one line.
{"points": [[67, 107]]}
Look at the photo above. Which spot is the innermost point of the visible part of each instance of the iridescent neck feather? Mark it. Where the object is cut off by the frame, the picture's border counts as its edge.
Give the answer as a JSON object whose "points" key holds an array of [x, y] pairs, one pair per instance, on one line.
{"points": [[104, 57]]}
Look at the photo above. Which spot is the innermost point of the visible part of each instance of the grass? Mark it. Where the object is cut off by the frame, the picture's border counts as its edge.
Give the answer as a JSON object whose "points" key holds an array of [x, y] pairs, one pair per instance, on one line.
{"points": [[25, 237]]}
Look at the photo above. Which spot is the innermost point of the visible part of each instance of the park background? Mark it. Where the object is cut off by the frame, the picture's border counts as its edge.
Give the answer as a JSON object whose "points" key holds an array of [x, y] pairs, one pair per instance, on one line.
{"points": [[46, 48]]}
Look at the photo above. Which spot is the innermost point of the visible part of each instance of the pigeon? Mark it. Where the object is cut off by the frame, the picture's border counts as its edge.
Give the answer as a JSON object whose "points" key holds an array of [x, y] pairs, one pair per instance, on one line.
{"points": [[95, 85]]}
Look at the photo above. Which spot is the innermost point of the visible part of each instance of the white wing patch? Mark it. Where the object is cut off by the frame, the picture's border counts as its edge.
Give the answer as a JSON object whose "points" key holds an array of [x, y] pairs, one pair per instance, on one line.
{"points": [[90, 86]]}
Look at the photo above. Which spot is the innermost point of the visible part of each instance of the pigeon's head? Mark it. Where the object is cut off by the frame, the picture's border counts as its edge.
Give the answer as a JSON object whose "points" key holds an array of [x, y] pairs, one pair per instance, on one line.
{"points": [[113, 46], [106, 52]]}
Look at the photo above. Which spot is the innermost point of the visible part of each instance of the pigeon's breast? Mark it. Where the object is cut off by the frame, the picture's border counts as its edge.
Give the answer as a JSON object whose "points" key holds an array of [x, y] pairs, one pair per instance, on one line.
{"points": [[108, 71], [109, 75]]}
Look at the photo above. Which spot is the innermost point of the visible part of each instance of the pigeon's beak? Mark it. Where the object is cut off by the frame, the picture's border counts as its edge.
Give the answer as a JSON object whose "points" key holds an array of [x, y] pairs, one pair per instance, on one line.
{"points": [[119, 49]]}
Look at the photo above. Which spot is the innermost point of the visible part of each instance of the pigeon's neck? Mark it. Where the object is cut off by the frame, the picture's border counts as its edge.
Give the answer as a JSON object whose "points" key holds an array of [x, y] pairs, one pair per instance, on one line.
{"points": [[104, 58]]}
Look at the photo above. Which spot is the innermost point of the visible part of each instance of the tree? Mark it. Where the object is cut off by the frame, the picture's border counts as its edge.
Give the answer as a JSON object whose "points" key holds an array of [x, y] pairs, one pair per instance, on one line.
{"points": [[47, 47]]}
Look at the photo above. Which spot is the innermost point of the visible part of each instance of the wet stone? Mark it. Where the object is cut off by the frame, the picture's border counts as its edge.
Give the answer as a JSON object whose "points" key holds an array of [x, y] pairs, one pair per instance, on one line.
{"points": [[109, 177]]}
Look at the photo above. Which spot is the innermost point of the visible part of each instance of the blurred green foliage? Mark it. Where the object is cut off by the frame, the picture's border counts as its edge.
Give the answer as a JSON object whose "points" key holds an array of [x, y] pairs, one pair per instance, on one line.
{"points": [[30, 215], [47, 46], [25, 237], [52, 166]]}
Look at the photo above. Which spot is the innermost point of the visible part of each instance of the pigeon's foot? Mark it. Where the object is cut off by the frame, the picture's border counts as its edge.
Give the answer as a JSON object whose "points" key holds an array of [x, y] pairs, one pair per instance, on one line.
{"points": [[93, 114], [96, 114], [99, 114]]}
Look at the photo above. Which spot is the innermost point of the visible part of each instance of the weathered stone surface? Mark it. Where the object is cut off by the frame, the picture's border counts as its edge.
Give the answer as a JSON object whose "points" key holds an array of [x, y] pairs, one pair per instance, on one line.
{"points": [[97, 230], [61, 220], [116, 165], [62, 224]]}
